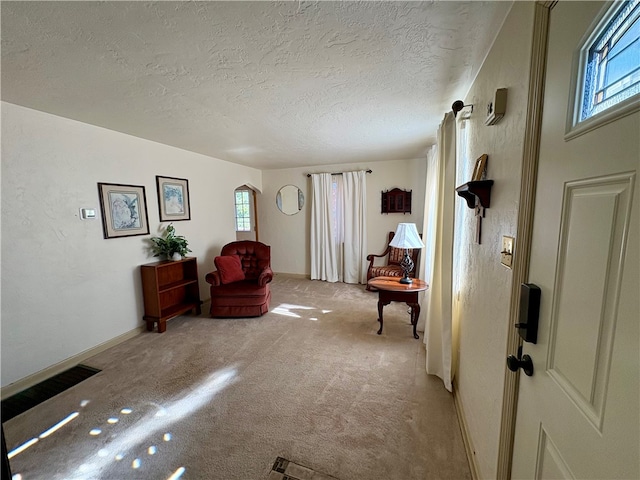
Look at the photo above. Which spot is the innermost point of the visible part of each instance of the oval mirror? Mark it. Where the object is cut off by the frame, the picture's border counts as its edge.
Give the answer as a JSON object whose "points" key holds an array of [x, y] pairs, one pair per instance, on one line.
{"points": [[290, 199]]}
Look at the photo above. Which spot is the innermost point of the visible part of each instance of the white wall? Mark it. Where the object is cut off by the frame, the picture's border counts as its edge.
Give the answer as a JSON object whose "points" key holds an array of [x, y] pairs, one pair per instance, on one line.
{"points": [[288, 235], [484, 284], [66, 289]]}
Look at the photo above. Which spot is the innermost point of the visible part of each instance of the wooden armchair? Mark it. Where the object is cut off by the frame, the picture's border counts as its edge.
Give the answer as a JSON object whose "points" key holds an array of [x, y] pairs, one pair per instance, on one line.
{"points": [[392, 267]]}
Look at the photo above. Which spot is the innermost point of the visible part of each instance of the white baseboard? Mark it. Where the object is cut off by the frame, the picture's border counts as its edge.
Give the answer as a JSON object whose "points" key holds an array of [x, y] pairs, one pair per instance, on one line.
{"points": [[466, 438], [60, 367]]}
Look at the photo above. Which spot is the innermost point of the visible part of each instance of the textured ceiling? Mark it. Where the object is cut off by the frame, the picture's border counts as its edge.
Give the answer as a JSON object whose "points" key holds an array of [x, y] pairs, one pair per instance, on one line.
{"points": [[264, 84]]}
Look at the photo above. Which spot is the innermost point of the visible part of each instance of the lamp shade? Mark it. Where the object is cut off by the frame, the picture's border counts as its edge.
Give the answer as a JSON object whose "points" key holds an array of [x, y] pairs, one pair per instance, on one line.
{"points": [[406, 236]]}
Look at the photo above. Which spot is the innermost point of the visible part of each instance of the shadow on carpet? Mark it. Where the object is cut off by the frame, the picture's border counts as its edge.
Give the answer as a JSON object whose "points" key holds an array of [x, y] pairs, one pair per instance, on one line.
{"points": [[284, 469]]}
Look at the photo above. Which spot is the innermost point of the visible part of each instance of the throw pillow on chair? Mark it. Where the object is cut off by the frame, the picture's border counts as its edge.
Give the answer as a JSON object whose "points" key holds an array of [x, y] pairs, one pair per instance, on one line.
{"points": [[230, 268]]}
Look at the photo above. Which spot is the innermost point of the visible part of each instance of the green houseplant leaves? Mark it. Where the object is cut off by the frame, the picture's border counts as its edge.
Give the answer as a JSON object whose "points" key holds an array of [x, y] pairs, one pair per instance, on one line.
{"points": [[169, 244]]}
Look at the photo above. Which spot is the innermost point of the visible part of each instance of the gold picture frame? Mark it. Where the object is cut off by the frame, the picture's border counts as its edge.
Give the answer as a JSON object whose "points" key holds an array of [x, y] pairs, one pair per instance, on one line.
{"points": [[480, 168]]}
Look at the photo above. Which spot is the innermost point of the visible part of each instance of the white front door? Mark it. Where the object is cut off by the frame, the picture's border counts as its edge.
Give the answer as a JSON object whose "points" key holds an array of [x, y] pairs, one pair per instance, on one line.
{"points": [[578, 415]]}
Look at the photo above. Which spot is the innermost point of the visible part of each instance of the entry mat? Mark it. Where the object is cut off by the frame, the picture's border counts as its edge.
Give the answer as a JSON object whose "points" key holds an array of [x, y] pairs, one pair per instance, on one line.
{"points": [[284, 469], [29, 398]]}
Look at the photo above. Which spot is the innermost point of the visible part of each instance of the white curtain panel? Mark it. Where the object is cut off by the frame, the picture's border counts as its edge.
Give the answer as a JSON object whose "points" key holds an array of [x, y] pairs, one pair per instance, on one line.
{"points": [[355, 226], [438, 235], [429, 230], [324, 252], [338, 227]]}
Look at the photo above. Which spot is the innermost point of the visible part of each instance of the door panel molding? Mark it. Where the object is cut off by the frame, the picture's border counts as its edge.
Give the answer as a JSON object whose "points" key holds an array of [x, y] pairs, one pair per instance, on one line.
{"points": [[595, 217], [549, 461]]}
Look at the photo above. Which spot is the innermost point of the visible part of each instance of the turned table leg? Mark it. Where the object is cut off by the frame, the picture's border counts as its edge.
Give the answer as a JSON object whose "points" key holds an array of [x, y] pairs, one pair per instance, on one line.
{"points": [[380, 307], [383, 299], [415, 313]]}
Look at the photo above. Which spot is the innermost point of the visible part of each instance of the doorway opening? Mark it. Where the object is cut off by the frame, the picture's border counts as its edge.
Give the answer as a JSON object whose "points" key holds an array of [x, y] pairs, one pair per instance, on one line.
{"points": [[246, 213]]}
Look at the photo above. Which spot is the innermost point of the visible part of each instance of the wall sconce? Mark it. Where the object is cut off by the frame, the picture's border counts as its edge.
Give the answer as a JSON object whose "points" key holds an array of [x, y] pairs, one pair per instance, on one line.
{"points": [[458, 105]]}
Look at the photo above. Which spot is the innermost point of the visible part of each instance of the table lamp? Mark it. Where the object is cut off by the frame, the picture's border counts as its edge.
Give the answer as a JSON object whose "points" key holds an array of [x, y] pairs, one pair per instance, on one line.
{"points": [[406, 237]]}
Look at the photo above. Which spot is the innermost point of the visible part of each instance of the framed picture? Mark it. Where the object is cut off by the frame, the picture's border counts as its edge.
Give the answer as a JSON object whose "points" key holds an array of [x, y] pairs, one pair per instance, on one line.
{"points": [[124, 210], [481, 166], [173, 199]]}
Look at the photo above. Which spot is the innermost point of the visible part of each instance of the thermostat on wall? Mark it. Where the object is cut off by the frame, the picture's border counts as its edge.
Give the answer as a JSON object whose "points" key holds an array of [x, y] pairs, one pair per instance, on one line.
{"points": [[87, 213]]}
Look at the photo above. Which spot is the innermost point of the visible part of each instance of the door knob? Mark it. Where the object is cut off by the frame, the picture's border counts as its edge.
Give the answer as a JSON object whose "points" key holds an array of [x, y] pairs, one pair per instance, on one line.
{"points": [[523, 362]]}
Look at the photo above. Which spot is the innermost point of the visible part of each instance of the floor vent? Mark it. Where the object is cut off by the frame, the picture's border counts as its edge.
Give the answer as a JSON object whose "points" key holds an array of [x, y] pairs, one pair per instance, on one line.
{"points": [[29, 398]]}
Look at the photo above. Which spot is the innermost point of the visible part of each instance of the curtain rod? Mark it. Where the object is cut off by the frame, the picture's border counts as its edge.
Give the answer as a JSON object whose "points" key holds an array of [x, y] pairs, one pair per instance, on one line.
{"points": [[340, 173]]}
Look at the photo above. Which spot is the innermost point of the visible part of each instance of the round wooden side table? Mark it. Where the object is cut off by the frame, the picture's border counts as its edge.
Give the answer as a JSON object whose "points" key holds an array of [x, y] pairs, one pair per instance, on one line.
{"points": [[391, 290]]}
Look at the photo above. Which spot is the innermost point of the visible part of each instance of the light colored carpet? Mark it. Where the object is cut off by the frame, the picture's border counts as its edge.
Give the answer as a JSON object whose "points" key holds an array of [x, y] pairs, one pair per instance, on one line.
{"points": [[223, 398]]}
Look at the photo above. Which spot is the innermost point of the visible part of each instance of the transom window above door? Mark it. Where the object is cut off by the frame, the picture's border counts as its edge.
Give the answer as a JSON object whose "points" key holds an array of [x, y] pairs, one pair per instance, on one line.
{"points": [[607, 70]]}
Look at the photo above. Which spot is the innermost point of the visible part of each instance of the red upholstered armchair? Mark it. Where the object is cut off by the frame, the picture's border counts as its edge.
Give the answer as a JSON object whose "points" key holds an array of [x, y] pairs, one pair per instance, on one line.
{"points": [[240, 285]]}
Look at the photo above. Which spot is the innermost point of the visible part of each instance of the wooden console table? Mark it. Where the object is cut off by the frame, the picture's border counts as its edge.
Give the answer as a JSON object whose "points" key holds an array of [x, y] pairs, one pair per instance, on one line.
{"points": [[391, 290], [170, 288]]}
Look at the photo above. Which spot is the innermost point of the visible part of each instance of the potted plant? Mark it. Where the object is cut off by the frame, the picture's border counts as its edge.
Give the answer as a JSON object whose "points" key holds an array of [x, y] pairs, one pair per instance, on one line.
{"points": [[170, 245]]}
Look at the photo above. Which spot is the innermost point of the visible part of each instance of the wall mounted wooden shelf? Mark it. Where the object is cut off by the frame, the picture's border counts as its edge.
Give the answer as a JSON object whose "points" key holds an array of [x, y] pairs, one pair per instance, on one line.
{"points": [[396, 201], [480, 189]]}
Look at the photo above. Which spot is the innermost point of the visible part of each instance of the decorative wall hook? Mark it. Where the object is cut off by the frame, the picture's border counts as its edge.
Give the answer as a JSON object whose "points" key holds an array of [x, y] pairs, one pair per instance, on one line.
{"points": [[458, 105]]}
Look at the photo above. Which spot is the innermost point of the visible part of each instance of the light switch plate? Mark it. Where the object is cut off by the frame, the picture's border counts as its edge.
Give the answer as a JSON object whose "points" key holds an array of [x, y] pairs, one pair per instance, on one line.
{"points": [[506, 255]]}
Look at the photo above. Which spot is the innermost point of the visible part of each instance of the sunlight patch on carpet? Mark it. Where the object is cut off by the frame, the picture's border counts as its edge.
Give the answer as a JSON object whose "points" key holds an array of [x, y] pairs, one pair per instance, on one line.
{"points": [[286, 309], [284, 469]]}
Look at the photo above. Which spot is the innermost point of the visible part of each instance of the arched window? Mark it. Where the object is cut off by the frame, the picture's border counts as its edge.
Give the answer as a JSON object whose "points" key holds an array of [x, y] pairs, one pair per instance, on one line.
{"points": [[243, 210]]}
